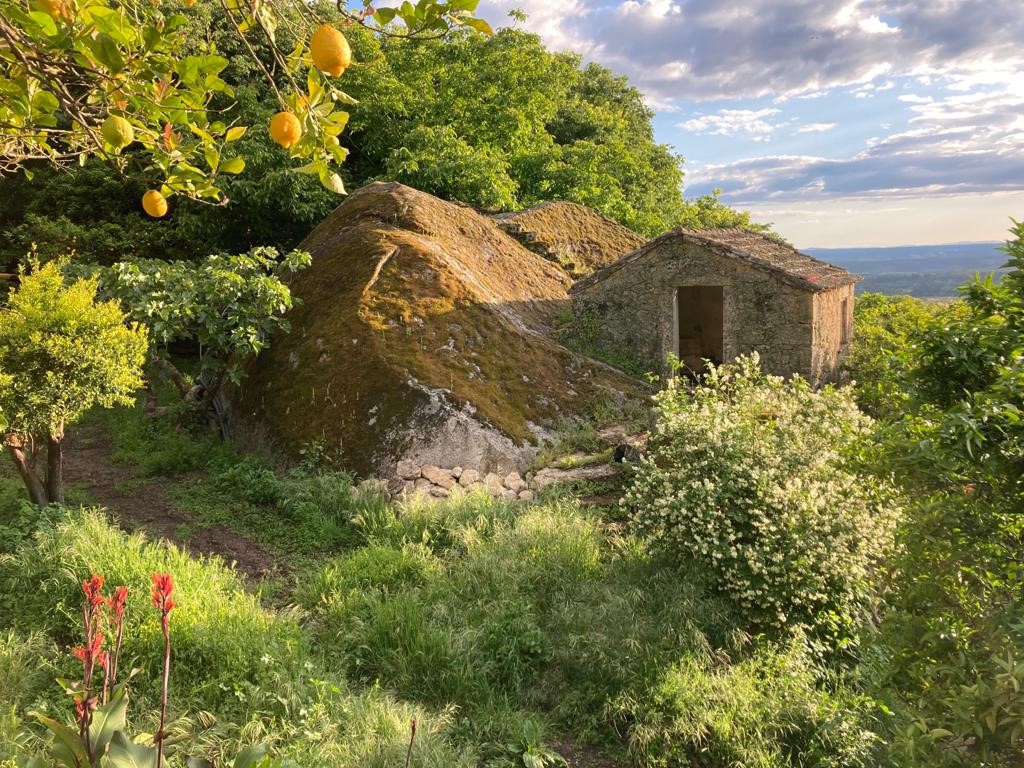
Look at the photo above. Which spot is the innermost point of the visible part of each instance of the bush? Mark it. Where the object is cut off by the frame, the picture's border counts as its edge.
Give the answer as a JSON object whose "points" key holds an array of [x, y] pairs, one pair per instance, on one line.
{"points": [[886, 329], [749, 475], [765, 712]]}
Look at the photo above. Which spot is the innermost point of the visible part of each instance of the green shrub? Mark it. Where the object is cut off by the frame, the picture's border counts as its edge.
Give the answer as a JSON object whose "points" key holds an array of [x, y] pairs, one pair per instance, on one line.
{"points": [[747, 475], [767, 711], [886, 329]]}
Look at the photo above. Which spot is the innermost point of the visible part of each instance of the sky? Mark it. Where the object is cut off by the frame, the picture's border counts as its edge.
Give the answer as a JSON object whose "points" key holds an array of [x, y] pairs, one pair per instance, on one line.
{"points": [[844, 123]]}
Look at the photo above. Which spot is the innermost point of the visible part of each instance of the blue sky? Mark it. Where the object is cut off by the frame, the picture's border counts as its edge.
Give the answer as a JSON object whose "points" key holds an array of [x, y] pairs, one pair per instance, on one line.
{"points": [[845, 123]]}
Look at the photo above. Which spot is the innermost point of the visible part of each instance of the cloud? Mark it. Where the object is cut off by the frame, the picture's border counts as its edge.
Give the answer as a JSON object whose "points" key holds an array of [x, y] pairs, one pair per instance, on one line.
{"points": [[944, 150], [729, 122], [729, 49], [816, 128]]}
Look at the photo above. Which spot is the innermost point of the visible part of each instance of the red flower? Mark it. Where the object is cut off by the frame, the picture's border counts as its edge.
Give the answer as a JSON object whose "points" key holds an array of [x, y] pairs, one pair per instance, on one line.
{"points": [[79, 653], [102, 658], [93, 588], [117, 602], [163, 586]]}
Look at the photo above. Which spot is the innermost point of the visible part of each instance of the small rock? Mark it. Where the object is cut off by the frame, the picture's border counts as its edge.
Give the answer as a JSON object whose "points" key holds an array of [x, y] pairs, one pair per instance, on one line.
{"points": [[408, 488], [423, 485], [439, 493], [456, 472], [514, 482], [469, 477], [530, 476], [438, 476], [408, 470], [508, 495], [494, 484], [527, 495]]}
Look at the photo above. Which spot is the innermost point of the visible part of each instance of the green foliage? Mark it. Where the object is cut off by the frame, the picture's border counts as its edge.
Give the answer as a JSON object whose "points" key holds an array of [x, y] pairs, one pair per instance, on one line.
{"points": [[947, 656], [767, 711], [68, 68], [228, 305], [750, 476], [68, 351], [886, 329], [504, 123]]}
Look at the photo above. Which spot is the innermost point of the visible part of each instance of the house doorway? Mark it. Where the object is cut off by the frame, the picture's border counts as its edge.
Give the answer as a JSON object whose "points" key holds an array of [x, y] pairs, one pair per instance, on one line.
{"points": [[699, 325]]}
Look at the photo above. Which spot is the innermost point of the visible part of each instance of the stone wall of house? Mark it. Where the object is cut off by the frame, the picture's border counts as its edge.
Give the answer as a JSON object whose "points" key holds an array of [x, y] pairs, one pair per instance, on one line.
{"points": [[833, 329], [632, 308]]}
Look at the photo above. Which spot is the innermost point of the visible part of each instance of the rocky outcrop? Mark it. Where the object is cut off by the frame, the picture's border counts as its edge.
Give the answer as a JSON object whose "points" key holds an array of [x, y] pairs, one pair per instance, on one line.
{"points": [[578, 239], [421, 334]]}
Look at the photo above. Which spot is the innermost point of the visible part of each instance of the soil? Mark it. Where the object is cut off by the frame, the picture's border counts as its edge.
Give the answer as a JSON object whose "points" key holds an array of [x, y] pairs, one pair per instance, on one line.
{"points": [[140, 504]]}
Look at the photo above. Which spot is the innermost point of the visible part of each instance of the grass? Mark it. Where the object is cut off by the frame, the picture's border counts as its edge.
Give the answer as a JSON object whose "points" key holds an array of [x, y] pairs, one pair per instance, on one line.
{"points": [[505, 629]]}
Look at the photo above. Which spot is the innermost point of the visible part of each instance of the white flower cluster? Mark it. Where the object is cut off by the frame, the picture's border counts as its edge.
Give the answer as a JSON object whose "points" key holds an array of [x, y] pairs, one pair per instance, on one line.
{"points": [[749, 475]]}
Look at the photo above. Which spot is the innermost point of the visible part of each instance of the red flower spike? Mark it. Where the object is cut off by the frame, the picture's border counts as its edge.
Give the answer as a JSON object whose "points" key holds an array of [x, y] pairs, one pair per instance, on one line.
{"points": [[79, 653], [163, 586], [117, 602], [93, 588]]}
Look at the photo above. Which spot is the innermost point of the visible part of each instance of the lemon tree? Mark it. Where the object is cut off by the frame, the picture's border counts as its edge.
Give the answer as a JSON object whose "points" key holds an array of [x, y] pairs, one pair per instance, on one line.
{"points": [[119, 80]]}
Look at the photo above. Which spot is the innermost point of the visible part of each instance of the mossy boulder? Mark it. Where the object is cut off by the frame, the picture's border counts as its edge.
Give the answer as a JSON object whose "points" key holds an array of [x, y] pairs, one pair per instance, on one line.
{"points": [[422, 334], [579, 239]]}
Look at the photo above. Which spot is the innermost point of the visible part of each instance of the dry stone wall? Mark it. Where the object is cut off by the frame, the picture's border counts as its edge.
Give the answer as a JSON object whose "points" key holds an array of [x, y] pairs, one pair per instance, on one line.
{"points": [[439, 483], [632, 308]]}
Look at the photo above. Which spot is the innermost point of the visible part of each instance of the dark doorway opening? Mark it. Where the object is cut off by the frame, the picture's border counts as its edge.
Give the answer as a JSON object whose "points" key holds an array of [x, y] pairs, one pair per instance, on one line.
{"points": [[700, 326]]}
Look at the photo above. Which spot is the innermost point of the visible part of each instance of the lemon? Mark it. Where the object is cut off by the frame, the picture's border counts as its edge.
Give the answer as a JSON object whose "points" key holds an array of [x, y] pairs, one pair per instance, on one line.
{"points": [[117, 132], [285, 129], [329, 50], [154, 204], [58, 9]]}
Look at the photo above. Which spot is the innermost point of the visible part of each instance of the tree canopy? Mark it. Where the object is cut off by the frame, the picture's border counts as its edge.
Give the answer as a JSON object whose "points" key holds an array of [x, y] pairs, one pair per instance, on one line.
{"points": [[498, 122]]}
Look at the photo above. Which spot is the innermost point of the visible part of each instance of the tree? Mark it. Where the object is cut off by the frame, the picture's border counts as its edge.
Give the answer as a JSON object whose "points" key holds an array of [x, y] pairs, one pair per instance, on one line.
{"points": [[61, 353], [228, 306], [121, 81]]}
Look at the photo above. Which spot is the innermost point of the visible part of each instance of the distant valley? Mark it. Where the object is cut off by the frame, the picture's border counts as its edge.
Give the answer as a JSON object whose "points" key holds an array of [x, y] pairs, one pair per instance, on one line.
{"points": [[927, 271]]}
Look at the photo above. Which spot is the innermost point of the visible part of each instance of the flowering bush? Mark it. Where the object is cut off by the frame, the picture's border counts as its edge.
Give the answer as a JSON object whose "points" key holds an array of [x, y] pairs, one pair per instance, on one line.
{"points": [[749, 475]]}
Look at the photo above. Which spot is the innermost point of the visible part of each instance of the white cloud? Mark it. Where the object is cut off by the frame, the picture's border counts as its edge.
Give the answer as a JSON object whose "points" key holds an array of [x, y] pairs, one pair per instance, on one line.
{"points": [[751, 48], [729, 122], [911, 98], [816, 128]]}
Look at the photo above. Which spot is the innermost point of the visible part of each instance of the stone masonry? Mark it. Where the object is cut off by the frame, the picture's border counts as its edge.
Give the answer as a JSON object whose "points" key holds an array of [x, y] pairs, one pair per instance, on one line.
{"points": [[793, 310]]}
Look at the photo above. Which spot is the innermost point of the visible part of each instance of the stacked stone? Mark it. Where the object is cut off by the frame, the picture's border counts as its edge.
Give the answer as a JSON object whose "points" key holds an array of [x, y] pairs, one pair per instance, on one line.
{"points": [[439, 483]]}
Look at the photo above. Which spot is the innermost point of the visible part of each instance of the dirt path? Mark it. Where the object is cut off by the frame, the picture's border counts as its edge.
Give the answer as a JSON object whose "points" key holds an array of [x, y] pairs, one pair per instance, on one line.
{"points": [[143, 505]]}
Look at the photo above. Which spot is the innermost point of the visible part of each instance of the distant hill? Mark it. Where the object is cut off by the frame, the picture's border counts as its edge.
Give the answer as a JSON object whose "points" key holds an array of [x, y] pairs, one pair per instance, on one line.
{"points": [[928, 271]]}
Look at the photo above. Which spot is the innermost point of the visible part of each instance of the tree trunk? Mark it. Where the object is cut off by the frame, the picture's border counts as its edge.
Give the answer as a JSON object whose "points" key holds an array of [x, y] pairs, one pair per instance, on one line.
{"points": [[16, 450], [173, 374], [55, 468]]}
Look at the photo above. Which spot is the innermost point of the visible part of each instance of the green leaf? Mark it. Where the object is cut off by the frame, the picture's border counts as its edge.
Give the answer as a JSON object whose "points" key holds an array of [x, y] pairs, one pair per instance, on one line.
{"points": [[234, 165], [234, 134], [480, 26], [68, 748], [384, 16], [107, 720], [251, 756], [197, 762], [123, 753], [333, 182]]}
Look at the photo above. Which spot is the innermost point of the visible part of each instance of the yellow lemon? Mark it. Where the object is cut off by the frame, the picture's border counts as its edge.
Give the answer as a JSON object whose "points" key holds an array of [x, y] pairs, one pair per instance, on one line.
{"points": [[58, 9], [154, 204], [329, 50], [285, 129], [118, 132]]}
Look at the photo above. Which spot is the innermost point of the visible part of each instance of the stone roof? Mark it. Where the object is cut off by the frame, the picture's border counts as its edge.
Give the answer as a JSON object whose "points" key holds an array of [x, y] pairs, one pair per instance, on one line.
{"points": [[759, 250]]}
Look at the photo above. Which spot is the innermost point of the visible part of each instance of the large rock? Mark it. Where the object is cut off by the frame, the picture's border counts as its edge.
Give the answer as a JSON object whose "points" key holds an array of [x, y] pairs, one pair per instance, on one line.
{"points": [[421, 333]]}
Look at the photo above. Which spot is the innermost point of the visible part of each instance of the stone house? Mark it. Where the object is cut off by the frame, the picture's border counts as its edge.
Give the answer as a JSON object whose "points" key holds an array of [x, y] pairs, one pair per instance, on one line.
{"points": [[715, 294]]}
